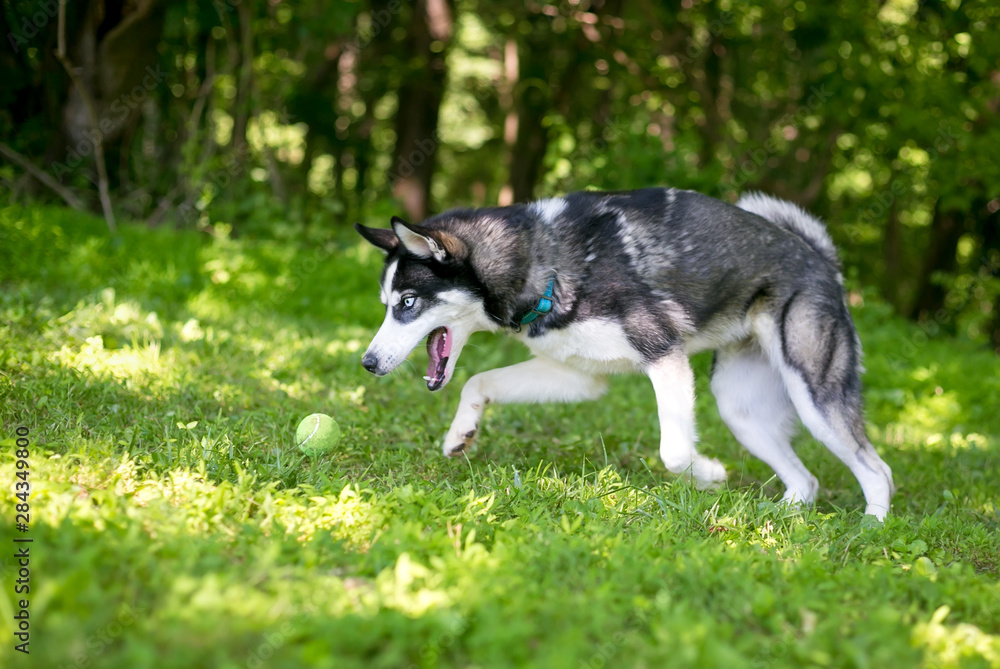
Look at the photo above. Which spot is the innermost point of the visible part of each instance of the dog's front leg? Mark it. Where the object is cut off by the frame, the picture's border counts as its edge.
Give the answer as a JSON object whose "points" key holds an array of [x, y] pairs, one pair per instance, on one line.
{"points": [[673, 382], [537, 380]]}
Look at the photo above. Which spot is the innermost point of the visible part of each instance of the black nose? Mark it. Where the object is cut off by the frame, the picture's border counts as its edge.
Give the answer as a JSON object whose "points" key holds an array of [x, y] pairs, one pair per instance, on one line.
{"points": [[369, 362]]}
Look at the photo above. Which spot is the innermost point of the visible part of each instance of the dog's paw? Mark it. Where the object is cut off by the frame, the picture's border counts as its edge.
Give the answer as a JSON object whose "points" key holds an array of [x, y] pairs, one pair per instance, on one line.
{"points": [[879, 511], [801, 493], [457, 442], [707, 473]]}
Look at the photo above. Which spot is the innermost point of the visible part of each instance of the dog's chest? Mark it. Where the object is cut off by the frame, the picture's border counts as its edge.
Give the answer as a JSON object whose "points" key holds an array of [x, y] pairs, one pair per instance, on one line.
{"points": [[596, 346]]}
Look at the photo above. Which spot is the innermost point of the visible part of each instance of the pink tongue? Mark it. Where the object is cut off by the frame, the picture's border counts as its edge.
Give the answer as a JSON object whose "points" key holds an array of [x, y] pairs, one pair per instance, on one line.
{"points": [[433, 361], [438, 348]]}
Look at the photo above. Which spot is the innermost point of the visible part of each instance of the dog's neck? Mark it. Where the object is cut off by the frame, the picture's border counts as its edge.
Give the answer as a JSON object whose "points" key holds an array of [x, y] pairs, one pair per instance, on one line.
{"points": [[545, 303], [513, 256], [543, 285]]}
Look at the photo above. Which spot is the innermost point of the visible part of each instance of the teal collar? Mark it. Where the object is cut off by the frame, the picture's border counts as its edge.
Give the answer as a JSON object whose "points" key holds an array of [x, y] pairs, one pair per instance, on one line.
{"points": [[544, 303]]}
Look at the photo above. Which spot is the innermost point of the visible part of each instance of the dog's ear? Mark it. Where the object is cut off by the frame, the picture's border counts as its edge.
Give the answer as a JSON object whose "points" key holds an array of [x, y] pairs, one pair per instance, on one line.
{"points": [[379, 237], [427, 243]]}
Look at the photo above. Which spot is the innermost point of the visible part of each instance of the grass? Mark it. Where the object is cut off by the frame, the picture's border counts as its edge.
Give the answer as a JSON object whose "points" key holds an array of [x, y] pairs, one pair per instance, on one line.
{"points": [[161, 375]]}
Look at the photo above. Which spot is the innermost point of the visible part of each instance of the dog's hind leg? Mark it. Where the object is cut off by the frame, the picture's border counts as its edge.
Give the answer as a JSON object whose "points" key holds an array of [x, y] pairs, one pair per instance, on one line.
{"points": [[537, 380], [840, 426], [673, 383], [755, 406], [814, 346]]}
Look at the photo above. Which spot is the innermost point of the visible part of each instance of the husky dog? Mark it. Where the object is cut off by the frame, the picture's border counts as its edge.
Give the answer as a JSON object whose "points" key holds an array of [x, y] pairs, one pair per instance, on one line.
{"points": [[604, 283]]}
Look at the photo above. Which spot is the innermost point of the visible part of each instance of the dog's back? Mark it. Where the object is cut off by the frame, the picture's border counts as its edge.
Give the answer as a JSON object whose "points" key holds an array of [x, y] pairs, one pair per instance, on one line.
{"points": [[676, 266]]}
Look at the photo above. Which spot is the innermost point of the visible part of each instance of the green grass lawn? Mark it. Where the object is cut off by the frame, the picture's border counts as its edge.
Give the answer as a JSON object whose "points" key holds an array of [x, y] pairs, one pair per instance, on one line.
{"points": [[161, 375]]}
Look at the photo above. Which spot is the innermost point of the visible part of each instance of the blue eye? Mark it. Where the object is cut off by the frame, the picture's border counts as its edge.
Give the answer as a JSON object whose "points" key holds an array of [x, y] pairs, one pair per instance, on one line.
{"points": [[409, 301]]}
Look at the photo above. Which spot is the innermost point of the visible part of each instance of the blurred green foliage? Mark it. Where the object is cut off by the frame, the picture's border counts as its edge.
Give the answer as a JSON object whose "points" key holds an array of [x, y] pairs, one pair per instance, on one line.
{"points": [[277, 118]]}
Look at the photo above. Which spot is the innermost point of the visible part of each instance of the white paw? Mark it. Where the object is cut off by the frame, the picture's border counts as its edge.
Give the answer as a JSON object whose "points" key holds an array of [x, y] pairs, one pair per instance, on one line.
{"points": [[707, 473], [803, 494], [877, 510], [459, 440], [795, 499]]}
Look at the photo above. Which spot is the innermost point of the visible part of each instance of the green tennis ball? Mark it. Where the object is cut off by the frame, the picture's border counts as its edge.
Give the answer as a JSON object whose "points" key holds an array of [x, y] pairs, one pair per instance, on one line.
{"points": [[317, 434]]}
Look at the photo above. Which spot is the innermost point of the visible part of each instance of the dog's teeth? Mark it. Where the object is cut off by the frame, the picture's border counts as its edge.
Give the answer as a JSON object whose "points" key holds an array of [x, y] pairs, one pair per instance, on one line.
{"points": [[427, 378]]}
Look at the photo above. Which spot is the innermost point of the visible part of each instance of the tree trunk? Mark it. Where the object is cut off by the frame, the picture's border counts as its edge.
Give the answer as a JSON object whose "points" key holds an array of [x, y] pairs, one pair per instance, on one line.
{"points": [[112, 70], [241, 111], [533, 98], [946, 229], [990, 265], [529, 148], [704, 78], [420, 95], [541, 88], [111, 52], [892, 255], [363, 149]]}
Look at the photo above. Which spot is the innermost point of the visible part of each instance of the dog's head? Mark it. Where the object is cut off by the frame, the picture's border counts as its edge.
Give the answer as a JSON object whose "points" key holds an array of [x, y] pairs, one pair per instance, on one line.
{"points": [[429, 290]]}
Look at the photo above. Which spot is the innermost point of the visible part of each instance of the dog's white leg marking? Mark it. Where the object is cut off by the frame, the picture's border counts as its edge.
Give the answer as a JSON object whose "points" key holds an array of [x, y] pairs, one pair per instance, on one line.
{"points": [[832, 428], [755, 405], [537, 380], [872, 473], [673, 383]]}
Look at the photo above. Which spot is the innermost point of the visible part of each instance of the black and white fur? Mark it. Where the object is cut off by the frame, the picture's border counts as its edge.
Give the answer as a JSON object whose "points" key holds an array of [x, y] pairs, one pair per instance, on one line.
{"points": [[643, 279]]}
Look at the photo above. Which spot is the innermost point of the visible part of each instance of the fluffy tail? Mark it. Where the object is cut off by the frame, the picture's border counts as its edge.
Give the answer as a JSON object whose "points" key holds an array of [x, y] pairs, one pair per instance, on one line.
{"points": [[794, 218]]}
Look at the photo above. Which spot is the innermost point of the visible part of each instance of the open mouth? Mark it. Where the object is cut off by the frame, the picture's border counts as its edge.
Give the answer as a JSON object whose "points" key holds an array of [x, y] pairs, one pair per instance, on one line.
{"points": [[438, 350]]}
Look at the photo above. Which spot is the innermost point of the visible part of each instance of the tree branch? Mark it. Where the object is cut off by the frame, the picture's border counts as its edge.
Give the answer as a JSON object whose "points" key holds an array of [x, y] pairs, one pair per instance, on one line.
{"points": [[25, 164]]}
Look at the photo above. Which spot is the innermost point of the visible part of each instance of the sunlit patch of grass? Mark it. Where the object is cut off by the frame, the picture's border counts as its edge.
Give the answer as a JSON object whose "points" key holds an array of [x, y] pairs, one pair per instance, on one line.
{"points": [[955, 645], [931, 412], [127, 363]]}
